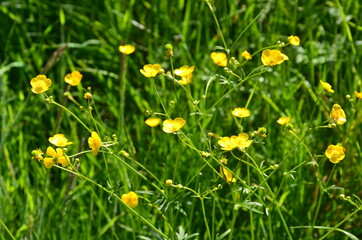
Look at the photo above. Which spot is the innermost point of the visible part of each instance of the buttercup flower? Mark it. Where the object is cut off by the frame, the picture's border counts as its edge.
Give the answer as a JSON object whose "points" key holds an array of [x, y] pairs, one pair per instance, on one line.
{"points": [[185, 72], [219, 59], [171, 126], [168, 182], [73, 78], [127, 49], [40, 84], [94, 142], [273, 57], [87, 95], [246, 55], [153, 121], [338, 115], [131, 199], [327, 86], [59, 140], [55, 156], [241, 112], [37, 154], [229, 143], [335, 153], [283, 120], [150, 70], [227, 175], [294, 40], [358, 95]]}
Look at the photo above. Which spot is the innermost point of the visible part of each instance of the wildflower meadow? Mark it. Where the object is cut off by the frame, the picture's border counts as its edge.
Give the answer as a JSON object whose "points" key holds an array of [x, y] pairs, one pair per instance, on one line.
{"points": [[181, 120]]}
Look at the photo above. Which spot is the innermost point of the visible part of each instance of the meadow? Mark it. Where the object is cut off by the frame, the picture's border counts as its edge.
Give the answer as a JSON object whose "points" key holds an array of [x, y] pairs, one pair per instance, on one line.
{"points": [[180, 119]]}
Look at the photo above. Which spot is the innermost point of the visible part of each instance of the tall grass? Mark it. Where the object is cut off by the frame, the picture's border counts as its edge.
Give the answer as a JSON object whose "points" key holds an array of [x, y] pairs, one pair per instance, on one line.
{"points": [[286, 188]]}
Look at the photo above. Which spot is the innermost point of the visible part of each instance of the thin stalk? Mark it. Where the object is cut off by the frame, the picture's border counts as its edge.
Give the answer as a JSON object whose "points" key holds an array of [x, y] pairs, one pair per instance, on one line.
{"points": [[71, 113], [217, 25], [340, 223], [7, 229], [75, 172]]}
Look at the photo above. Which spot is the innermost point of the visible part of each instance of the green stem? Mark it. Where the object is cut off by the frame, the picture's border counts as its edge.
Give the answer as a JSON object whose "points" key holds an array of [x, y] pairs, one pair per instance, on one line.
{"points": [[218, 26], [7, 230], [205, 218], [71, 113], [340, 223], [75, 172]]}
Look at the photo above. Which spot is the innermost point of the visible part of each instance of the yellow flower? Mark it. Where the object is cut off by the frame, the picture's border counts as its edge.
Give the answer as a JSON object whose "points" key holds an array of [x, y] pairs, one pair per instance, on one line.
{"points": [[94, 143], [185, 72], [219, 59], [131, 199], [335, 153], [59, 140], [246, 55], [40, 84], [283, 120], [171, 126], [294, 40], [227, 175], [168, 182], [327, 86], [37, 154], [229, 143], [56, 156], [127, 49], [241, 112], [87, 95], [338, 115], [150, 70], [359, 95], [153, 121], [73, 78], [273, 57]]}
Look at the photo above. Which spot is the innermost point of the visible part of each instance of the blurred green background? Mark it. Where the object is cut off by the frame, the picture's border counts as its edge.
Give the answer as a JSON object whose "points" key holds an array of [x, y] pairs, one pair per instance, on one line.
{"points": [[36, 203]]}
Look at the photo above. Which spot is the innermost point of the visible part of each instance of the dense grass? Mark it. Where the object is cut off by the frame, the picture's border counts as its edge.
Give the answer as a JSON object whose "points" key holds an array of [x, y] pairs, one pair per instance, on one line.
{"points": [[299, 199]]}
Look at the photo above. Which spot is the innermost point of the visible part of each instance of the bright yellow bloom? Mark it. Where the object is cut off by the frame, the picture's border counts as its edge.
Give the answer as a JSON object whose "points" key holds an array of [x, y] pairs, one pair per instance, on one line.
{"points": [[246, 55], [273, 57], [185, 72], [359, 95], [294, 40], [40, 84], [131, 199], [168, 182], [56, 156], [153, 121], [150, 70], [229, 143], [73, 78], [59, 140], [338, 115], [241, 112], [94, 142], [335, 153], [227, 175], [219, 59], [127, 49], [171, 126], [37, 154], [327, 86], [283, 120], [87, 95]]}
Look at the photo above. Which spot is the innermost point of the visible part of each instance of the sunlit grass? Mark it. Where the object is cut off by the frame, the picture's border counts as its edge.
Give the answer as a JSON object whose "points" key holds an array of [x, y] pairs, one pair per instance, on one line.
{"points": [[235, 151]]}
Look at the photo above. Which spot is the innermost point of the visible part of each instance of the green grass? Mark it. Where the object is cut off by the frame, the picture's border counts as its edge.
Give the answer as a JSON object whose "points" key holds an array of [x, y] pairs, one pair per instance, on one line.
{"points": [[299, 199]]}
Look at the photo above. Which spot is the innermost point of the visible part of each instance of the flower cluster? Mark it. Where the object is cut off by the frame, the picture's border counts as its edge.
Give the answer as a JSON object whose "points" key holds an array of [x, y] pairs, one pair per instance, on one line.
{"points": [[131, 199], [185, 72], [219, 58], [229, 143]]}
